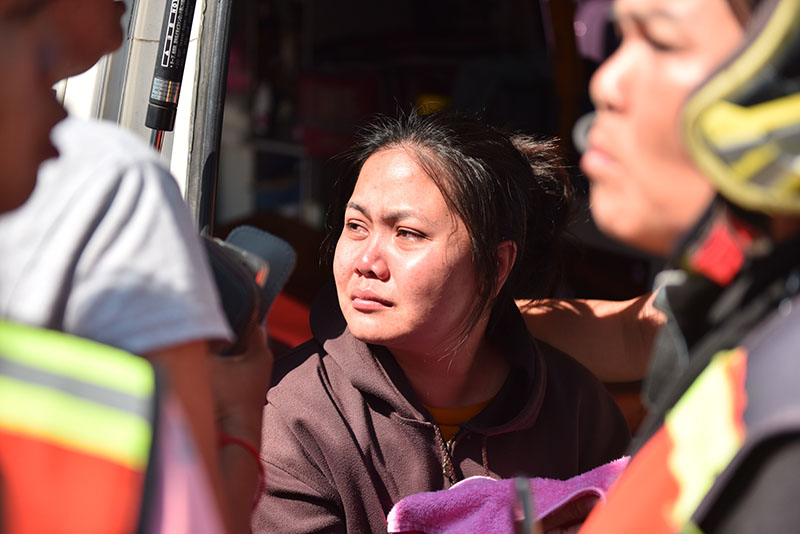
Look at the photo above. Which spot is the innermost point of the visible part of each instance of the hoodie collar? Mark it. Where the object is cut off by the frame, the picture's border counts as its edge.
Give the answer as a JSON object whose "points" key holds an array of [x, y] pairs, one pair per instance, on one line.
{"points": [[373, 370]]}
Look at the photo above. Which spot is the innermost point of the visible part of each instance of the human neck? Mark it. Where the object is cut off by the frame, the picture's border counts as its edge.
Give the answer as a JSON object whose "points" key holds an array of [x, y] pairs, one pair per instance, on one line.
{"points": [[471, 374]]}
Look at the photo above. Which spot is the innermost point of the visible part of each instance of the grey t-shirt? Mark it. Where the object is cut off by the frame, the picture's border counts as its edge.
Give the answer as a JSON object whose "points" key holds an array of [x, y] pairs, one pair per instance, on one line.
{"points": [[105, 248]]}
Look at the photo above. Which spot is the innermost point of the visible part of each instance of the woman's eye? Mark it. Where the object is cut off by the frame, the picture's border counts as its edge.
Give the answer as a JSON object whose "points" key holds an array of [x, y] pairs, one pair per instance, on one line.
{"points": [[354, 227], [409, 235], [659, 46], [659, 40]]}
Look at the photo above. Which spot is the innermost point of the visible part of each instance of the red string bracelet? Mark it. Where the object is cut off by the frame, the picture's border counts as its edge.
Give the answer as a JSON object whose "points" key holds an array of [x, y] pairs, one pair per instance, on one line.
{"points": [[227, 439]]}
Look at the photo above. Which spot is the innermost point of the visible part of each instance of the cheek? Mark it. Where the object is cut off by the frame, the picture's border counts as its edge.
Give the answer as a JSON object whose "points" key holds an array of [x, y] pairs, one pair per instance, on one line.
{"points": [[657, 136], [657, 92], [90, 29], [658, 139], [341, 262], [445, 289], [421, 285]]}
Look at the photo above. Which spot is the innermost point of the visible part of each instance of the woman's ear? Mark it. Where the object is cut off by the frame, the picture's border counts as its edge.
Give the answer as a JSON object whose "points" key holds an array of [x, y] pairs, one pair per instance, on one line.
{"points": [[506, 255]]}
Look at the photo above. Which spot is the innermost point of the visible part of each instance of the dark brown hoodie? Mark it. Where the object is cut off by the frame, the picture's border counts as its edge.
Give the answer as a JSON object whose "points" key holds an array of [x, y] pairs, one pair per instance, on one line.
{"points": [[345, 437]]}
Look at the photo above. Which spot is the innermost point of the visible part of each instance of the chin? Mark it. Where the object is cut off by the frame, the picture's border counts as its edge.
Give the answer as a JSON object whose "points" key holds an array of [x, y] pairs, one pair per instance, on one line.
{"points": [[368, 333], [608, 219], [19, 194], [643, 237]]}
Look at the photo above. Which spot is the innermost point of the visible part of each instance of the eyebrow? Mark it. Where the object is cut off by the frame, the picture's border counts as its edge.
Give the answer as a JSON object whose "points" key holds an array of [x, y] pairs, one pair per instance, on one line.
{"points": [[643, 16], [392, 216]]}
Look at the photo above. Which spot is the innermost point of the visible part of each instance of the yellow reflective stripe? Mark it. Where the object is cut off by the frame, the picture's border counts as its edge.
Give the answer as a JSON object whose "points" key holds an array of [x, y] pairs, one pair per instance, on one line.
{"points": [[729, 125], [790, 182], [754, 161], [78, 358], [75, 423], [769, 42], [704, 434]]}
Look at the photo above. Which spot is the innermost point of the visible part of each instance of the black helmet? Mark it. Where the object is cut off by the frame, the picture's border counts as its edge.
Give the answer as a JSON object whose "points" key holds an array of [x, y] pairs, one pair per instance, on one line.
{"points": [[742, 126]]}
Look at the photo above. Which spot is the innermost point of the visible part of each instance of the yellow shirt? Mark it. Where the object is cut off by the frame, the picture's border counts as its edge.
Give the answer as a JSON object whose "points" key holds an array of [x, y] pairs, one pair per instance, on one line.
{"points": [[450, 419]]}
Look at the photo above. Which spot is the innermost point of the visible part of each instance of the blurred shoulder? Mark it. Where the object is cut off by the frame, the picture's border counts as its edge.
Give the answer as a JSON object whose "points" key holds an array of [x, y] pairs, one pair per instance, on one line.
{"points": [[106, 139], [101, 158], [560, 364]]}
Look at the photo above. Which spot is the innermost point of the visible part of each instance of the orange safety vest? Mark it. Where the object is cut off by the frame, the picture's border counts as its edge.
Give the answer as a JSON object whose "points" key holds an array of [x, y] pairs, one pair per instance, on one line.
{"points": [[671, 474], [77, 423]]}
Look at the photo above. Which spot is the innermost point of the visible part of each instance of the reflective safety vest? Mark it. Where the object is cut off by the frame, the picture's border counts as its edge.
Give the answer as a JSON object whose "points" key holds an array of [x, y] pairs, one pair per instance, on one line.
{"points": [[77, 422], [671, 474], [741, 400]]}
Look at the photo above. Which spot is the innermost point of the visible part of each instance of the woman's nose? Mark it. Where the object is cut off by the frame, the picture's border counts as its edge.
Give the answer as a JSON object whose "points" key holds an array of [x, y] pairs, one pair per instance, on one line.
{"points": [[607, 86], [371, 262]]}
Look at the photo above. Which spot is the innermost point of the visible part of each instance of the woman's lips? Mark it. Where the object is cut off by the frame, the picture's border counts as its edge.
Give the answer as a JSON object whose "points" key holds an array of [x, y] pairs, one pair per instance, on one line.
{"points": [[598, 159], [368, 301], [597, 162]]}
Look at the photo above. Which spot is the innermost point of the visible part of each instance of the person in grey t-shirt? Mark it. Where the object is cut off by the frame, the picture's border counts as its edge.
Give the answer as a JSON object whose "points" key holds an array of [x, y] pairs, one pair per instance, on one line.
{"points": [[105, 249]]}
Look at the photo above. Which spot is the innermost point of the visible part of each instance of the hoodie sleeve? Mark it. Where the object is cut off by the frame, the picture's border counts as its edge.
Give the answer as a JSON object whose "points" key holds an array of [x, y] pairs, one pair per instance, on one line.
{"points": [[604, 434], [298, 498], [601, 433]]}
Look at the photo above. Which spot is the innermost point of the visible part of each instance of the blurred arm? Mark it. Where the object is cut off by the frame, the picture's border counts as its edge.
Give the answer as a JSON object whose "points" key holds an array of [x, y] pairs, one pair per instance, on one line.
{"points": [[223, 394], [613, 339]]}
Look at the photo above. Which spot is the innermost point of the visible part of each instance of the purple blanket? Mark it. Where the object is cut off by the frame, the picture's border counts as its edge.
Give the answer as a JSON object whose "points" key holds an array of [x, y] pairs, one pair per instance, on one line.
{"points": [[481, 504]]}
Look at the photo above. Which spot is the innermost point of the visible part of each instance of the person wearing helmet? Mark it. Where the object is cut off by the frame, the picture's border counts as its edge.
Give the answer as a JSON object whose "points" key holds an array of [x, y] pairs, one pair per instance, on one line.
{"points": [[693, 154]]}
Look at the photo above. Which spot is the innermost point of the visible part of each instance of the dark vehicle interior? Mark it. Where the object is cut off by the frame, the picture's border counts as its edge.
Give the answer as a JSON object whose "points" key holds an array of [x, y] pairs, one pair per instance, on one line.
{"points": [[302, 76]]}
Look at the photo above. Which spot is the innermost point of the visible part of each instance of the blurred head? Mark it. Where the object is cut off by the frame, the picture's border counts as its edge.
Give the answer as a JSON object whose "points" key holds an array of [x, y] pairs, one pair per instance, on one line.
{"points": [[742, 125], [28, 107], [645, 190], [441, 219], [81, 32]]}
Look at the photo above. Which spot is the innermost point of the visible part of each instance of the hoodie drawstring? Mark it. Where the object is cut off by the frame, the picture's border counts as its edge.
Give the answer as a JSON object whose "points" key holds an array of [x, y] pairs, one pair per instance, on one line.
{"points": [[485, 456], [447, 460]]}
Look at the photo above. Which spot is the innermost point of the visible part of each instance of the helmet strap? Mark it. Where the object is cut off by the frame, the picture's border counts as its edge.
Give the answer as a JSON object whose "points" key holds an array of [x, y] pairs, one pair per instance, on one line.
{"points": [[721, 241]]}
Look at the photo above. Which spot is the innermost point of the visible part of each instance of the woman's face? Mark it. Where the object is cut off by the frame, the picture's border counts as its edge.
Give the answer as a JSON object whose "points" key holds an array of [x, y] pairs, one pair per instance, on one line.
{"points": [[644, 189], [403, 264]]}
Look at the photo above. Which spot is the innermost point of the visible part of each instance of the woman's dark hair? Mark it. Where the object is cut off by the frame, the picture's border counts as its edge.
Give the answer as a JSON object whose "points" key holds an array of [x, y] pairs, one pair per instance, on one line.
{"points": [[504, 187]]}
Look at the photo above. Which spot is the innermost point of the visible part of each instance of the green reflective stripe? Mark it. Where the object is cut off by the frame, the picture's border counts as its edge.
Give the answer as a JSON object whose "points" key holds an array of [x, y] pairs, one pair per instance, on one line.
{"points": [[691, 528], [77, 358], [74, 423], [701, 427]]}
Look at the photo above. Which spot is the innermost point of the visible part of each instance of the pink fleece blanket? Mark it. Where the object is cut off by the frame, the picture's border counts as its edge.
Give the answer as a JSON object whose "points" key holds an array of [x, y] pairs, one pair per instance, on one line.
{"points": [[481, 504]]}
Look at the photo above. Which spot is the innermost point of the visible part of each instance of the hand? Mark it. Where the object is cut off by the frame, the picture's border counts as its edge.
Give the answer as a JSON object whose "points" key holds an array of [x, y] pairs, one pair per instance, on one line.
{"points": [[240, 383], [568, 518]]}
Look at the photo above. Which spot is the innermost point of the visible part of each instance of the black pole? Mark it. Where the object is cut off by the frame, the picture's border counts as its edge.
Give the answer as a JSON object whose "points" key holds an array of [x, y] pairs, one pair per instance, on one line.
{"points": [[168, 72], [210, 104]]}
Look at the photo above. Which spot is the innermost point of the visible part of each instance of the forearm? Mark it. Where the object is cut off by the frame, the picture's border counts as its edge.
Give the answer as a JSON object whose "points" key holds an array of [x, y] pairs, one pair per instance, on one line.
{"points": [[240, 388], [241, 479], [187, 369], [612, 339], [230, 404]]}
